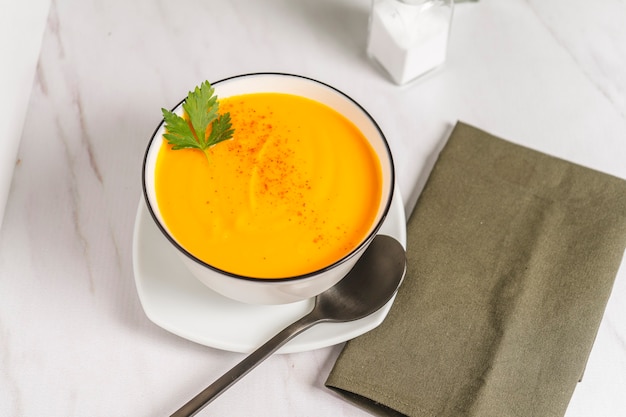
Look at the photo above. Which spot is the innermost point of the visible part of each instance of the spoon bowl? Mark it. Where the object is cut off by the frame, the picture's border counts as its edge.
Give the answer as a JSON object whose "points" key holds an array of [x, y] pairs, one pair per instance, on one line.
{"points": [[369, 285]]}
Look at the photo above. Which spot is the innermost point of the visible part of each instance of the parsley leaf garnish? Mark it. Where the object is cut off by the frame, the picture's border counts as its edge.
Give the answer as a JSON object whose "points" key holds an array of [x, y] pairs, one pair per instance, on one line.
{"points": [[201, 107]]}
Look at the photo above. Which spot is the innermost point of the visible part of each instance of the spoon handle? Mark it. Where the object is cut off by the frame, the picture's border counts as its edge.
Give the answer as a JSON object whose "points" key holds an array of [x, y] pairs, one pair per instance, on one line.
{"points": [[224, 382]]}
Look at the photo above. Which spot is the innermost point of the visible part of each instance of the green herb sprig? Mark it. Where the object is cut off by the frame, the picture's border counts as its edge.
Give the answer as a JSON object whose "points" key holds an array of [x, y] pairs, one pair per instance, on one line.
{"points": [[201, 107]]}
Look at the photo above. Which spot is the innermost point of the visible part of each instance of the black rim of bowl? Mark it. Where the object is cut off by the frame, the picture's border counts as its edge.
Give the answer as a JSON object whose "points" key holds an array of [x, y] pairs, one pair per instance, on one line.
{"points": [[343, 259]]}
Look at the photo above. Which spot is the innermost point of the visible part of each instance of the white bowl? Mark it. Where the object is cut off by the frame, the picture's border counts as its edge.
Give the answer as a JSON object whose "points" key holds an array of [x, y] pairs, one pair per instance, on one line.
{"points": [[291, 289]]}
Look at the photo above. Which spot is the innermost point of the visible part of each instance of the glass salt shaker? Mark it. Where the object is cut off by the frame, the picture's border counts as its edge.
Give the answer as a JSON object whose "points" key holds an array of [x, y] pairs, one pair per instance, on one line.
{"points": [[409, 38]]}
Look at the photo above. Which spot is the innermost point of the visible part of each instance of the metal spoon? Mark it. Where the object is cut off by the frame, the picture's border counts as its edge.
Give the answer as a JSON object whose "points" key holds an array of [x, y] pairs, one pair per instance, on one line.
{"points": [[368, 287]]}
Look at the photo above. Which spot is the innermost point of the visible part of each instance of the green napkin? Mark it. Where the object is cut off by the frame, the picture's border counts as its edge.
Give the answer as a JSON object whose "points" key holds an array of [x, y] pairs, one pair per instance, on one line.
{"points": [[512, 255]]}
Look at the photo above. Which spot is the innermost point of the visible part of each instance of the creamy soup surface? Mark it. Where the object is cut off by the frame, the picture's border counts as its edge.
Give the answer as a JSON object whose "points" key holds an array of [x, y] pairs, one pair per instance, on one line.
{"points": [[296, 189]]}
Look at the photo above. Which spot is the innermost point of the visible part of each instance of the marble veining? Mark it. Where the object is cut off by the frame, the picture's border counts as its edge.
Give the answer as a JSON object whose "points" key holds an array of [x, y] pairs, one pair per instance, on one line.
{"points": [[594, 39], [74, 340]]}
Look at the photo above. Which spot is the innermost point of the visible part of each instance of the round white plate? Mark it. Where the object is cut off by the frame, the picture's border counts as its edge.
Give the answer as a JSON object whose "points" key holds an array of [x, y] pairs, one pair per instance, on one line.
{"points": [[176, 301]]}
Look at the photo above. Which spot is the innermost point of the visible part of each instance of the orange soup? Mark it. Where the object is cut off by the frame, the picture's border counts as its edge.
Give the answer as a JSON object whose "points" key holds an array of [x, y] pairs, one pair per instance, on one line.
{"points": [[296, 188]]}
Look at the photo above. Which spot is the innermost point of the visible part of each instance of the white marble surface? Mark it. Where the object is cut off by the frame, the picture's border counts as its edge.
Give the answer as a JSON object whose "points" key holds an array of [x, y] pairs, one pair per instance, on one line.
{"points": [[74, 341]]}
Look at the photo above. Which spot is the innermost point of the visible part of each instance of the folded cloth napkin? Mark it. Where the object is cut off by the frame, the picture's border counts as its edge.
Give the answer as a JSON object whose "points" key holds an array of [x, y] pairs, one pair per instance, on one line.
{"points": [[512, 255]]}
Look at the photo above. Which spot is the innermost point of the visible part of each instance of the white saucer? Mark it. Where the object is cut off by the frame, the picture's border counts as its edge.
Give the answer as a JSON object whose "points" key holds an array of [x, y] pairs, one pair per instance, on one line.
{"points": [[176, 301]]}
